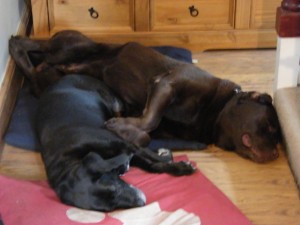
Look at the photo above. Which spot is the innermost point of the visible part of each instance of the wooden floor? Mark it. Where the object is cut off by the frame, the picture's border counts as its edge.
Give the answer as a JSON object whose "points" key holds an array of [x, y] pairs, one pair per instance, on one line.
{"points": [[265, 193]]}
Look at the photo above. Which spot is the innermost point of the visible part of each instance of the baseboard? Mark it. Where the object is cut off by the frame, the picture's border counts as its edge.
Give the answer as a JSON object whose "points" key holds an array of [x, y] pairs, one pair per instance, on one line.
{"points": [[11, 83]]}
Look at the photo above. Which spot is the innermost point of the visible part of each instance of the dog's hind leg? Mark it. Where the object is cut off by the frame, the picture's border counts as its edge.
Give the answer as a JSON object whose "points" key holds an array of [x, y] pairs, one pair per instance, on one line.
{"points": [[19, 49]]}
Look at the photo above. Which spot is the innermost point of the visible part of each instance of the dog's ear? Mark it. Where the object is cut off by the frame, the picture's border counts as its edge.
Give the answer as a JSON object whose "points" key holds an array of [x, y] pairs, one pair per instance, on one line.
{"points": [[246, 140], [265, 99], [262, 98]]}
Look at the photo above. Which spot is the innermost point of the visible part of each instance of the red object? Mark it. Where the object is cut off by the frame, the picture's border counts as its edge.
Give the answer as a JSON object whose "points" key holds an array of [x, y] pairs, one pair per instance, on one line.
{"points": [[192, 200], [288, 19]]}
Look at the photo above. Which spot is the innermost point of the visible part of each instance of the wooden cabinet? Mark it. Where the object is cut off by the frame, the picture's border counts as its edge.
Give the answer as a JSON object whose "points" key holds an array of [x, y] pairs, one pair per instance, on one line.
{"points": [[194, 24]]}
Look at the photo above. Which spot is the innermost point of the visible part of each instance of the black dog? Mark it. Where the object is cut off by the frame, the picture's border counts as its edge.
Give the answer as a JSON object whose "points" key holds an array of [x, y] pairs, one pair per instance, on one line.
{"points": [[83, 159], [169, 97]]}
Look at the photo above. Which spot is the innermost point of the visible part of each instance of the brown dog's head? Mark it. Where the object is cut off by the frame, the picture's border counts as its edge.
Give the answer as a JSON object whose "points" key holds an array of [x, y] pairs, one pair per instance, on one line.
{"points": [[249, 125]]}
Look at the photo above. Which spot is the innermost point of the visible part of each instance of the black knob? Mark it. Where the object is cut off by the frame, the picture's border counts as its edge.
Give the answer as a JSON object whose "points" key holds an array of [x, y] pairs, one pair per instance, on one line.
{"points": [[193, 11], [93, 13]]}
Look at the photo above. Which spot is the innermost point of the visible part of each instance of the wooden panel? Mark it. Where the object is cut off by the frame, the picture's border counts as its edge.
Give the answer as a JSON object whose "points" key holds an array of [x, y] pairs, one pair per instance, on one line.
{"points": [[11, 84], [197, 40], [170, 15], [8, 94], [22, 164], [92, 15], [263, 13], [194, 40], [142, 15], [242, 14], [40, 17]]}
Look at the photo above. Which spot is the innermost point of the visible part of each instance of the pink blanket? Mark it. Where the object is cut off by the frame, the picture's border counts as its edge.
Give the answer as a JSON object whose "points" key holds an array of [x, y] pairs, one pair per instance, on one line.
{"points": [[187, 200]]}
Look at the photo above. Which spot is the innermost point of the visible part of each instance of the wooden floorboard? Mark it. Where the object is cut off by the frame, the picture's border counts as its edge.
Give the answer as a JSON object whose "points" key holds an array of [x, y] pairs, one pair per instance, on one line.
{"points": [[265, 193]]}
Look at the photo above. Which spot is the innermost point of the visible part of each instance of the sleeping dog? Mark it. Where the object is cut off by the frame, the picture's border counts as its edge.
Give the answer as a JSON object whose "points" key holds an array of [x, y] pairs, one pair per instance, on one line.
{"points": [[83, 159], [163, 97]]}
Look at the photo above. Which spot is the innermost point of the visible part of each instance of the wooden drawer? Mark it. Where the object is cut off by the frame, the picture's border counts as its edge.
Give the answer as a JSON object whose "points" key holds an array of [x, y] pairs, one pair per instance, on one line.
{"points": [[220, 24], [263, 13], [174, 15], [91, 16]]}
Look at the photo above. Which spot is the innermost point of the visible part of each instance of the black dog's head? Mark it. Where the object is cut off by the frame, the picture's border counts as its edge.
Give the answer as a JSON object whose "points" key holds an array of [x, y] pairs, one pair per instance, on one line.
{"points": [[249, 125]]}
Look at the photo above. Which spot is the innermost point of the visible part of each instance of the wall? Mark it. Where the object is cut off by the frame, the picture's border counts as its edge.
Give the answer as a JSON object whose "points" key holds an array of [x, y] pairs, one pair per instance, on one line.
{"points": [[10, 15]]}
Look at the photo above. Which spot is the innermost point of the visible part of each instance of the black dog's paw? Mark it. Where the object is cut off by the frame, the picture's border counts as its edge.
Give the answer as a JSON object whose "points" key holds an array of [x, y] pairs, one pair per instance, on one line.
{"points": [[174, 168], [182, 168]]}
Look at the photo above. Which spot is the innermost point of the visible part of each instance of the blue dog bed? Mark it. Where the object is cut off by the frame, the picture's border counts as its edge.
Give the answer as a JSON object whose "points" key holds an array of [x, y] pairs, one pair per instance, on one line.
{"points": [[21, 131]]}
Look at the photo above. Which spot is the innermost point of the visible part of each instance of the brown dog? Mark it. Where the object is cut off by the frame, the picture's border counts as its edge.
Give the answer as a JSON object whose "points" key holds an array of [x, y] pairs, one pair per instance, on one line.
{"points": [[160, 94]]}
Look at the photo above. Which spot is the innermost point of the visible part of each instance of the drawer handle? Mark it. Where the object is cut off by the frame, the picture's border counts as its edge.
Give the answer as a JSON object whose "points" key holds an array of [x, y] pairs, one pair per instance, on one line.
{"points": [[93, 13], [193, 11]]}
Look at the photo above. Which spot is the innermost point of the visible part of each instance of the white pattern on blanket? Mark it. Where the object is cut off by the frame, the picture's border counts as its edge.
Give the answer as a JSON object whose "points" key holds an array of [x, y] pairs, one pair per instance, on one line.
{"points": [[147, 215]]}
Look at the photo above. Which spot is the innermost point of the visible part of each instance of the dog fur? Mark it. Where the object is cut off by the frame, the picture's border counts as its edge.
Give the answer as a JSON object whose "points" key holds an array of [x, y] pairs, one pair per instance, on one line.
{"points": [[83, 159], [162, 96]]}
